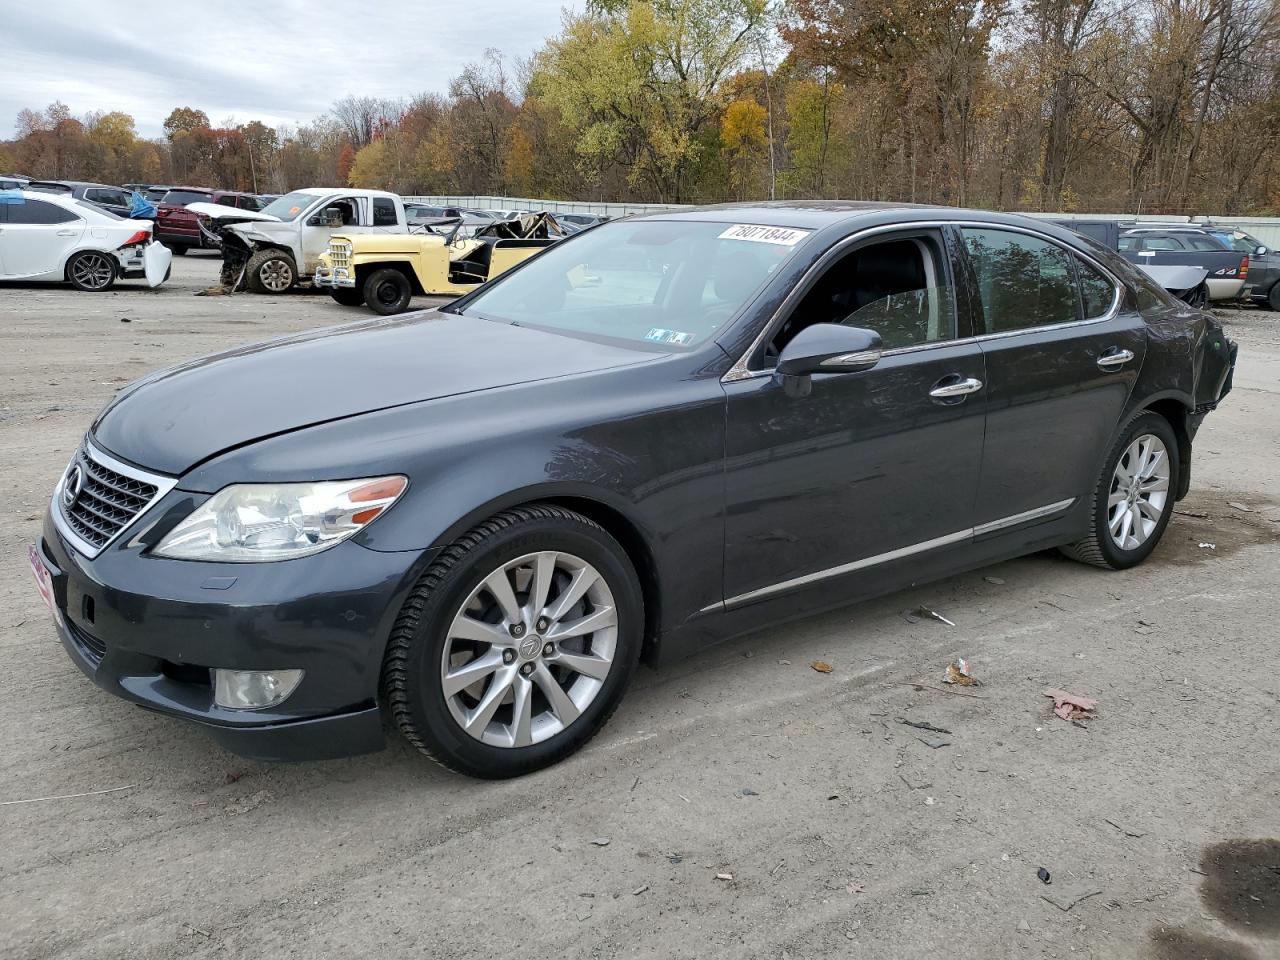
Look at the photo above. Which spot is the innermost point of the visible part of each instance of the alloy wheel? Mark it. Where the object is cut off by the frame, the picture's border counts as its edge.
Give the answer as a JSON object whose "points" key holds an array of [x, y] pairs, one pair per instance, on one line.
{"points": [[529, 649], [276, 276], [1139, 492], [93, 271]]}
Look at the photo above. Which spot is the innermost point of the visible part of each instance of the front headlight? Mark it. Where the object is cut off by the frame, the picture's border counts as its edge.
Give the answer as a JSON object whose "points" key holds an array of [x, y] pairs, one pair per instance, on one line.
{"points": [[250, 522]]}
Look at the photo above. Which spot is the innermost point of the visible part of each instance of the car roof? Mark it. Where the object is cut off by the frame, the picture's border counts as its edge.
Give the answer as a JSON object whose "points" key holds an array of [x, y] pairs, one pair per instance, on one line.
{"points": [[59, 199], [816, 214], [325, 191]]}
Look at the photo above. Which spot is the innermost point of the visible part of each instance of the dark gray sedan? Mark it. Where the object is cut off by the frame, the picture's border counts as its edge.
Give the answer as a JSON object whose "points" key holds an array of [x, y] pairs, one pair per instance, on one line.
{"points": [[474, 522]]}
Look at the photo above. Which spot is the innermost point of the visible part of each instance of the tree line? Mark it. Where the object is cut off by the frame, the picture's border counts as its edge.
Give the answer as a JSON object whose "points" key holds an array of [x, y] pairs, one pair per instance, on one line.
{"points": [[1137, 105]]}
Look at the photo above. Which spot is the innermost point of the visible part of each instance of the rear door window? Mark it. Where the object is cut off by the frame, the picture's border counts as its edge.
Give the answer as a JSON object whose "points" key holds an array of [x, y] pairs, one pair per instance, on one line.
{"points": [[1204, 243], [1162, 243], [384, 212], [1023, 281], [37, 211]]}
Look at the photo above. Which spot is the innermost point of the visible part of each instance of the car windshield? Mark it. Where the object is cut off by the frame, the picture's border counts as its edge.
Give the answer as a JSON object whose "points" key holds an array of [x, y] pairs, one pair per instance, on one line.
{"points": [[672, 283], [1241, 242], [290, 206]]}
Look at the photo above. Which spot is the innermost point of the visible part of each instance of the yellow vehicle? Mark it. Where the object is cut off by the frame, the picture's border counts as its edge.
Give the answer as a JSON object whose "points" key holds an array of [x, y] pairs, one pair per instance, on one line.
{"points": [[383, 271]]}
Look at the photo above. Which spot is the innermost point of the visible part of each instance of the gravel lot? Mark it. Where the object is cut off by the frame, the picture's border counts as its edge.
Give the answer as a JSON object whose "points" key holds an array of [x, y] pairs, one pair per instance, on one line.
{"points": [[843, 833]]}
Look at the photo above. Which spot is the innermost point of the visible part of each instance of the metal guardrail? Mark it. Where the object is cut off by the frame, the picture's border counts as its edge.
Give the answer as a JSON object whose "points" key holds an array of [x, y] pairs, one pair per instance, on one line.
{"points": [[1266, 229]]}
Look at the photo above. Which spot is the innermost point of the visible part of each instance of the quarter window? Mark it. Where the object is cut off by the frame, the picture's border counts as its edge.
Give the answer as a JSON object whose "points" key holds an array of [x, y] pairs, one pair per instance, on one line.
{"points": [[37, 211], [1023, 281], [1097, 292]]}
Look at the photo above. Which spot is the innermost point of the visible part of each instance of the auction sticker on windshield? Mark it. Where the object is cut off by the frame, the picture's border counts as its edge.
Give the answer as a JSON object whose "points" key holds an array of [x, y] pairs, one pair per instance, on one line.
{"points": [[783, 236]]}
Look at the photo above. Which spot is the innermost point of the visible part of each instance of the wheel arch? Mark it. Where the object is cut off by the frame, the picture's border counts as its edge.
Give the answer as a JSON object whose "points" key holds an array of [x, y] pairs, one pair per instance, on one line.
{"points": [[607, 511], [1177, 410], [405, 266], [66, 264]]}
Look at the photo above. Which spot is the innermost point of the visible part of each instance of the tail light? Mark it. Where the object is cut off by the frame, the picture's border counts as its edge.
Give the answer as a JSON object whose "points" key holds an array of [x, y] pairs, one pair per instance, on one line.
{"points": [[1244, 267], [142, 236]]}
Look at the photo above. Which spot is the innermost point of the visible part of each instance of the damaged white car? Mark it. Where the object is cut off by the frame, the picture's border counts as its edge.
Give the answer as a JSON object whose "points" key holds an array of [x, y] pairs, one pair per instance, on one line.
{"points": [[270, 250], [55, 237]]}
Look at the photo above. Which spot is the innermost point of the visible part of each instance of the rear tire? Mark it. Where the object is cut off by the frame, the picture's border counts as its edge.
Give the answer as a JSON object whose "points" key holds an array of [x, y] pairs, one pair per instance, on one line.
{"points": [[1273, 300], [92, 271], [348, 298], [271, 271], [1199, 297], [1134, 496], [179, 249], [547, 690], [387, 291]]}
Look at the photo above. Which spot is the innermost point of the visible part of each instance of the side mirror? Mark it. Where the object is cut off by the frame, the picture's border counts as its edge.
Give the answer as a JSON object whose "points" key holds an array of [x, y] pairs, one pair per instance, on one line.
{"points": [[1261, 250], [328, 217], [830, 348]]}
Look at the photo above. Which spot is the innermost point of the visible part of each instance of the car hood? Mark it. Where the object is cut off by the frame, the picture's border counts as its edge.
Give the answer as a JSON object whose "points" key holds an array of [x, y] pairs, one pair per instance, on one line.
{"points": [[174, 419], [225, 214]]}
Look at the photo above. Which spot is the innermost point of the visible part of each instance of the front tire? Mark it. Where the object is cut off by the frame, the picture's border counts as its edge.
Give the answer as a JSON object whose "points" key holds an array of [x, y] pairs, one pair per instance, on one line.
{"points": [[517, 644], [1134, 496], [92, 271], [348, 298], [271, 271], [1273, 300], [387, 291]]}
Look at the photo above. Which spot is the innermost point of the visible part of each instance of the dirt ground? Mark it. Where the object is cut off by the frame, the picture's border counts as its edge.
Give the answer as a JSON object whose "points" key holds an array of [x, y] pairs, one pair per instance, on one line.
{"points": [[752, 806]]}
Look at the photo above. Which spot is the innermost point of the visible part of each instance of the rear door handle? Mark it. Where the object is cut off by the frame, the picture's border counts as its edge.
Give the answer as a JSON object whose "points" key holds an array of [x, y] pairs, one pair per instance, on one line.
{"points": [[1114, 359], [947, 388]]}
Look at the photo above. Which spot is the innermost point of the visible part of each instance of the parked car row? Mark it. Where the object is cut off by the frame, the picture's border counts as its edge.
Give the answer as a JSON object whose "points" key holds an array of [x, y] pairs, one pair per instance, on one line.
{"points": [[1198, 263], [271, 242]]}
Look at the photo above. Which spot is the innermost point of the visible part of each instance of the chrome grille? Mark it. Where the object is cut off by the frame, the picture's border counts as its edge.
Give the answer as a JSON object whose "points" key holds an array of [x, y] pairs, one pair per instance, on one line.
{"points": [[340, 254], [99, 496]]}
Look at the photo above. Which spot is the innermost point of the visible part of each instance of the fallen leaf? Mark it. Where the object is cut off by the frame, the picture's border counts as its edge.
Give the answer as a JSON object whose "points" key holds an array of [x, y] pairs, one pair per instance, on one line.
{"points": [[822, 666], [852, 887]]}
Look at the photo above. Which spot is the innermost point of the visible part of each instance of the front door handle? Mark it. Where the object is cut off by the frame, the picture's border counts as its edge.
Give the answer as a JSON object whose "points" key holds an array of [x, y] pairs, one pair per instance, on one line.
{"points": [[949, 388], [1114, 359], [67, 233]]}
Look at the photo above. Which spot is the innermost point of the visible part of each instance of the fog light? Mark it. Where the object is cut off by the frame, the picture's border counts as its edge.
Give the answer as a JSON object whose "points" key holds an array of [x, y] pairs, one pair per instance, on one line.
{"points": [[253, 689]]}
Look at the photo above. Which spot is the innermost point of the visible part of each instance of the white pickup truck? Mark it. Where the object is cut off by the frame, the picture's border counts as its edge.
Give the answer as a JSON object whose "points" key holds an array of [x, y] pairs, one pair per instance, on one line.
{"points": [[270, 250]]}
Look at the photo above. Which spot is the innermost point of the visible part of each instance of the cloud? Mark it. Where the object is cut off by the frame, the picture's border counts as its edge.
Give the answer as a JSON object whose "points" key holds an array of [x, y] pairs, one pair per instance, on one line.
{"points": [[279, 61]]}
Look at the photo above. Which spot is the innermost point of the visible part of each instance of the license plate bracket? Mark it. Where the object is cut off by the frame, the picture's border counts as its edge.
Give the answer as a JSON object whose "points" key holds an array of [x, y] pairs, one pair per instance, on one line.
{"points": [[44, 582]]}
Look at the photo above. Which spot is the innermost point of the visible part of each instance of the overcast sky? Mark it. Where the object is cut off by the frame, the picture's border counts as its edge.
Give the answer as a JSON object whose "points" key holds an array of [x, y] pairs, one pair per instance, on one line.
{"points": [[279, 61]]}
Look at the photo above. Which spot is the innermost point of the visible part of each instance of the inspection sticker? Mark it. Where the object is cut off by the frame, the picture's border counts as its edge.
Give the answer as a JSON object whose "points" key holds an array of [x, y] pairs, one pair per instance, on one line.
{"points": [[783, 236], [658, 335]]}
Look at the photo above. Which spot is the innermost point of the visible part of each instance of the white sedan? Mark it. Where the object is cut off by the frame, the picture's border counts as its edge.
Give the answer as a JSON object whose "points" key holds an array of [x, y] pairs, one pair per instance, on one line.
{"points": [[54, 237]]}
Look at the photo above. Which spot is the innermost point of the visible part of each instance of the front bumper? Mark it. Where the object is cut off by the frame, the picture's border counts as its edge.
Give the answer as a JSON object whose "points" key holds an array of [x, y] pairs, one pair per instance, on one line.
{"points": [[334, 279], [149, 630]]}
